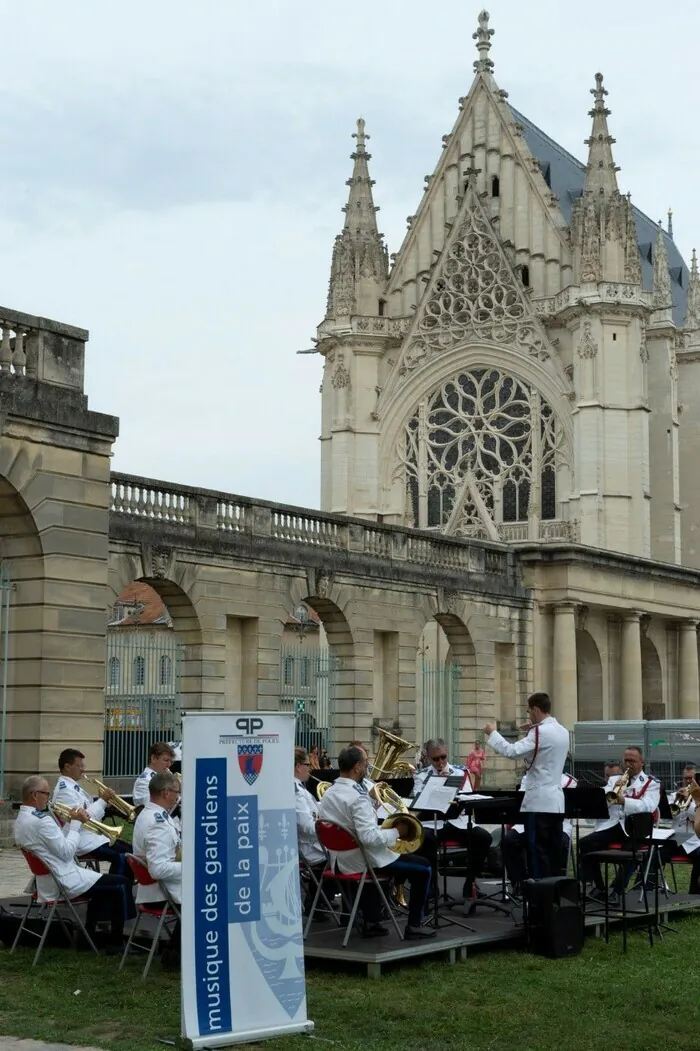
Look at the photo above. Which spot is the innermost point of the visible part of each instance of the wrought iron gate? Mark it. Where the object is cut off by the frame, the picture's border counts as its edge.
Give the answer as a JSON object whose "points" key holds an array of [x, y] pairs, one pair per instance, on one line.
{"points": [[308, 679], [440, 708]]}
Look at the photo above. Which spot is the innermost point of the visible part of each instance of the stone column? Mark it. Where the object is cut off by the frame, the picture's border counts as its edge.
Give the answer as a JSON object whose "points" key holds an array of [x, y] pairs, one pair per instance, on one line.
{"points": [[631, 667], [564, 685], [688, 679]]}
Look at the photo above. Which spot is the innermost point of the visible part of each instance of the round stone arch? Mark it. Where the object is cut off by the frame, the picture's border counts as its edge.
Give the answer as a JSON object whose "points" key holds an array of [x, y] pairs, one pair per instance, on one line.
{"points": [[589, 677], [446, 692], [395, 408]]}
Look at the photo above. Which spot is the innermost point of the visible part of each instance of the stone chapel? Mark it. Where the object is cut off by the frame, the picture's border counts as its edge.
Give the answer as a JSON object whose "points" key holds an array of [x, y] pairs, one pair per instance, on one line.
{"points": [[525, 370]]}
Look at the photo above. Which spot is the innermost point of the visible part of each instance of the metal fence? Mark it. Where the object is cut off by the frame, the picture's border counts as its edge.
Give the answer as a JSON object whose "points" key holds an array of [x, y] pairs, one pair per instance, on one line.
{"points": [[667, 745], [308, 681], [142, 696], [440, 703]]}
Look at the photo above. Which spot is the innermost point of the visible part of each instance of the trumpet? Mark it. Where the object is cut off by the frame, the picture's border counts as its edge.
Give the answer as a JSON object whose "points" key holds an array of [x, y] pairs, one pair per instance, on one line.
{"points": [[681, 803], [63, 813], [612, 797], [116, 801]]}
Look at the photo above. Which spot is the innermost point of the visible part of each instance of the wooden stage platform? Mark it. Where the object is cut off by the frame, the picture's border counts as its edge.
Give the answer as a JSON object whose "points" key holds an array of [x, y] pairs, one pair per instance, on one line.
{"points": [[492, 929]]}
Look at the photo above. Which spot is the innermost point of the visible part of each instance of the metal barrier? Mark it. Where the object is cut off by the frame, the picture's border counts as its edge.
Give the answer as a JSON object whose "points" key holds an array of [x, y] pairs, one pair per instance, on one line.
{"points": [[142, 696], [440, 704], [667, 745], [308, 681]]}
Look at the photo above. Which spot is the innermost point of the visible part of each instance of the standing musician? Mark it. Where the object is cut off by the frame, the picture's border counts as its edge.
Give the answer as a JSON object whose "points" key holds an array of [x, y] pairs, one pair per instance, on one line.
{"points": [[346, 803], [307, 816], [547, 746], [684, 838], [71, 765], [639, 795], [475, 839], [514, 849], [160, 758], [36, 829], [157, 843]]}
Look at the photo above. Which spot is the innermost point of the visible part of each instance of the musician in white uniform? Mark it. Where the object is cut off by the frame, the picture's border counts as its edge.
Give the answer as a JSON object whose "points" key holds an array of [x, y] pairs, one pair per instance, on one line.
{"points": [[346, 803], [68, 790], [546, 746], [684, 839], [157, 843], [109, 896], [160, 758], [514, 849], [307, 815], [476, 840], [639, 796]]}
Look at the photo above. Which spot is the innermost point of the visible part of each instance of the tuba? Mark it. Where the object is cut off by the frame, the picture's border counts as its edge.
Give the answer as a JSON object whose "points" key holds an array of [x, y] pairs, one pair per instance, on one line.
{"points": [[387, 762], [124, 808], [63, 812], [611, 797]]}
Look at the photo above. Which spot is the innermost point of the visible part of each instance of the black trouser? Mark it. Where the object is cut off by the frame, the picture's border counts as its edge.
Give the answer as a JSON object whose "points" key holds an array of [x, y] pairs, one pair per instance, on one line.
{"points": [[110, 898], [514, 850], [670, 849], [476, 841], [412, 869], [116, 856], [590, 870], [544, 835]]}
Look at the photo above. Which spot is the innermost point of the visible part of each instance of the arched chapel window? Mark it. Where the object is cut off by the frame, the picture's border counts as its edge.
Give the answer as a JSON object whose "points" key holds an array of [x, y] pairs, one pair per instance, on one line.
{"points": [[139, 671], [165, 673], [482, 444], [114, 671]]}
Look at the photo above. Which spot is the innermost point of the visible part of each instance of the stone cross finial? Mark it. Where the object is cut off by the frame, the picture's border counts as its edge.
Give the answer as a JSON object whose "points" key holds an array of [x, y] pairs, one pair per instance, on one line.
{"points": [[360, 134], [483, 44]]}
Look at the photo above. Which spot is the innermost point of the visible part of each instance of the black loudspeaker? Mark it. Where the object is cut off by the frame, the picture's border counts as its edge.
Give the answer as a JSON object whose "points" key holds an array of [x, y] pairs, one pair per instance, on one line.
{"points": [[553, 916]]}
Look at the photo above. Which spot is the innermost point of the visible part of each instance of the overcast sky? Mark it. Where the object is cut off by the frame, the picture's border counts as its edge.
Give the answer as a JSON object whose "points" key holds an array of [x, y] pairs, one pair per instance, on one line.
{"points": [[173, 172]]}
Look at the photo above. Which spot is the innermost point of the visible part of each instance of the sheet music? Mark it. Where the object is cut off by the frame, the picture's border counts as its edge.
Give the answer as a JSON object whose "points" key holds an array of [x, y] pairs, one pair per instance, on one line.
{"points": [[435, 796], [434, 825]]}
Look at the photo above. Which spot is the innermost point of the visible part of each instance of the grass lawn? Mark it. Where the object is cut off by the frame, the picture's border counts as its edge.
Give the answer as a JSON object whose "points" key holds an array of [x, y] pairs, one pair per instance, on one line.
{"points": [[495, 1000]]}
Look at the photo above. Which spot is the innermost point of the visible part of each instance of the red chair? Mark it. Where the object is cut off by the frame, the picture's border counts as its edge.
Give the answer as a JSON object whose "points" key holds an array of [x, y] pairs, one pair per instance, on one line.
{"points": [[39, 868], [164, 913], [338, 840]]}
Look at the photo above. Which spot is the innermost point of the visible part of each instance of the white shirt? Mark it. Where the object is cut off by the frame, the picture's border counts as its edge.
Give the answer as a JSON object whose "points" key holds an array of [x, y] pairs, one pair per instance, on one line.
{"points": [[73, 795], [141, 795], [347, 804], [156, 840], [307, 815], [641, 797], [547, 745], [683, 825], [567, 781], [36, 830]]}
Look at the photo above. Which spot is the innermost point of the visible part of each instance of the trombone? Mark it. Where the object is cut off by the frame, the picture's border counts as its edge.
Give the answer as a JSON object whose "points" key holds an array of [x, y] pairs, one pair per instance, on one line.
{"points": [[125, 808], [63, 812]]}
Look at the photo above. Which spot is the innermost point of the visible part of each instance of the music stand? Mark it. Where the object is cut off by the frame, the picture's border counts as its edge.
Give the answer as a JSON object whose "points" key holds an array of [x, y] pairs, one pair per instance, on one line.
{"points": [[503, 809], [584, 803]]}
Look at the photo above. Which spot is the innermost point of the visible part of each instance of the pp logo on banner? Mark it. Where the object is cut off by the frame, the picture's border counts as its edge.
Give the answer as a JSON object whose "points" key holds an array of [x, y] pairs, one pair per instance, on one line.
{"points": [[250, 760]]}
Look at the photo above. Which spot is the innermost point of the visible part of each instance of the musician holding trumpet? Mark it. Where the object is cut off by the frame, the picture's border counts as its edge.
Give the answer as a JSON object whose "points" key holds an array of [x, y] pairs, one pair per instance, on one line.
{"points": [[70, 793]]}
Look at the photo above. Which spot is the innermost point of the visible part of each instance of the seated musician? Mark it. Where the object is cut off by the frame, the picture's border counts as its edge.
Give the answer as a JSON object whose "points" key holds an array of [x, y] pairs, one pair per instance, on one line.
{"points": [[514, 850], [307, 816], [346, 803], [639, 796], [68, 790], [157, 843], [685, 840], [109, 896], [477, 840], [160, 758]]}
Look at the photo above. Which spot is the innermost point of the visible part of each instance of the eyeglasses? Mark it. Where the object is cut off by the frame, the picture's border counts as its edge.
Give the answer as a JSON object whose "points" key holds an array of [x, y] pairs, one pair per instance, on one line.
{"points": [[41, 792]]}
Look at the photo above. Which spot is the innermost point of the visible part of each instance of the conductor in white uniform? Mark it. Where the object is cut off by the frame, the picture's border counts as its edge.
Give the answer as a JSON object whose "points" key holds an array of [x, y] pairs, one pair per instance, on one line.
{"points": [[157, 842], [546, 746]]}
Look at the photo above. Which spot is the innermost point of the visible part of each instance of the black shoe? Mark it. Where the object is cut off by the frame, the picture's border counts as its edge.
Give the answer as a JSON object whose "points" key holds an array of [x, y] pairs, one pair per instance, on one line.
{"points": [[467, 890], [419, 932], [111, 949], [374, 930]]}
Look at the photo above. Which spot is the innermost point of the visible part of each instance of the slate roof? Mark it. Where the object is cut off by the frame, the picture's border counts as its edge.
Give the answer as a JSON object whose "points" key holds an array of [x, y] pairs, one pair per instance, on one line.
{"points": [[565, 176]]}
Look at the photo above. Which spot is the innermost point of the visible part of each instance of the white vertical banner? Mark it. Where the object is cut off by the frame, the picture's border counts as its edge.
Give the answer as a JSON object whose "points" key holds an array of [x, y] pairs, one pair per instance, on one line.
{"points": [[242, 947]]}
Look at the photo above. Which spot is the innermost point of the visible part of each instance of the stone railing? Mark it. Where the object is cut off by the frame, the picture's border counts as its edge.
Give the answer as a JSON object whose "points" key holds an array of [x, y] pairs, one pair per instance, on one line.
{"points": [[39, 349], [551, 529], [198, 510]]}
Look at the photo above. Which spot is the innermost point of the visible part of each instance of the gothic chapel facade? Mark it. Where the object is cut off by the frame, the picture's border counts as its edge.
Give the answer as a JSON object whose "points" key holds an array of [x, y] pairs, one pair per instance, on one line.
{"points": [[525, 370]]}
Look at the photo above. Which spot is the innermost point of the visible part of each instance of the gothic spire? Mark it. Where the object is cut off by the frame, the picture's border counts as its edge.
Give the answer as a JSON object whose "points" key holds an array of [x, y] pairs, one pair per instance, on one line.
{"points": [[601, 169], [483, 44], [360, 264], [663, 300], [692, 313]]}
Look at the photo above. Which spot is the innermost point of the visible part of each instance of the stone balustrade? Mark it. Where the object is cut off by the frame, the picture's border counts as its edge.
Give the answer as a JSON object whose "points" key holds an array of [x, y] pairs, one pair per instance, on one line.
{"points": [[197, 511], [39, 349]]}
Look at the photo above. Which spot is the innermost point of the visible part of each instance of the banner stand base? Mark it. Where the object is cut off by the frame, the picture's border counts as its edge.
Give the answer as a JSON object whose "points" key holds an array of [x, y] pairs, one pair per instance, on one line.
{"points": [[200, 1043]]}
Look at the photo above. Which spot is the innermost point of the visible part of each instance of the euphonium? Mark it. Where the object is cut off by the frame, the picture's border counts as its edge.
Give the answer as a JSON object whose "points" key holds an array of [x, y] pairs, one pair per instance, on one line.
{"points": [[611, 797], [117, 802], [62, 811], [386, 796], [386, 761], [321, 787]]}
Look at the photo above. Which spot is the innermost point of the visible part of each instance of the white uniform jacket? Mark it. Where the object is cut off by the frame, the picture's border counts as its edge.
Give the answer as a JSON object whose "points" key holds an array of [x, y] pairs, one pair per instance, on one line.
{"points": [[347, 804], [155, 841], [72, 794], [641, 797], [547, 746], [421, 776], [684, 827], [141, 795], [36, 830], [567, 781], [307, 815]]}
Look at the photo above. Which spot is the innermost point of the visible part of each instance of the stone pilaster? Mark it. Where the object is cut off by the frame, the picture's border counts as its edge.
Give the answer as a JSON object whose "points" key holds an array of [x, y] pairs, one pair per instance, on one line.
{"points": [[565, 693], [688, 677], [631, 667]]}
